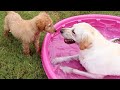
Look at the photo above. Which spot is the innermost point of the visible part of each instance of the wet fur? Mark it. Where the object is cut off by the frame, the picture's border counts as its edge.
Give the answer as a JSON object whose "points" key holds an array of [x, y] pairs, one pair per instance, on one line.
{"points": [[98, 56]]}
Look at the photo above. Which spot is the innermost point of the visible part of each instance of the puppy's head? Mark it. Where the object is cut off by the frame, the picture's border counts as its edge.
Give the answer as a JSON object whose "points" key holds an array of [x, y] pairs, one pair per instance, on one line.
{"points": [[81, 33], [45, 23]]}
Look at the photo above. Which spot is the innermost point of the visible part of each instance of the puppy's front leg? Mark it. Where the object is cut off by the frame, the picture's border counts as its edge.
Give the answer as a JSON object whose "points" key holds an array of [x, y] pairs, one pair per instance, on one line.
{"points": [[37, 47], [67, 58], [26, 49], [36, 43], [66, 69]]}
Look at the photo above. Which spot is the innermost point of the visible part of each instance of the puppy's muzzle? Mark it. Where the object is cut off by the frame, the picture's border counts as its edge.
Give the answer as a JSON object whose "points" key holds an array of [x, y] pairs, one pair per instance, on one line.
{"points": [[55, 30]]}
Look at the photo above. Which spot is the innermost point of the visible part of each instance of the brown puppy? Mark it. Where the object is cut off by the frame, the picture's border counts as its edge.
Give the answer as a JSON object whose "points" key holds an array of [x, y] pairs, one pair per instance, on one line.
{"points": [[28, 31]]}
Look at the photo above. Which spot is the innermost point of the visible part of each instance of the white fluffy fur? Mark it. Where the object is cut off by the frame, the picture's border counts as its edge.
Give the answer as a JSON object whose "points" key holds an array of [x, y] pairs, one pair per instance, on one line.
{"points": [[99, 57]]}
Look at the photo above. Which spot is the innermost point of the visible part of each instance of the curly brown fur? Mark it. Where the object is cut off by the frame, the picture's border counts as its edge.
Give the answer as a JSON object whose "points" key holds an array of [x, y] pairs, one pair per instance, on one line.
{"points": [[28, 31]]}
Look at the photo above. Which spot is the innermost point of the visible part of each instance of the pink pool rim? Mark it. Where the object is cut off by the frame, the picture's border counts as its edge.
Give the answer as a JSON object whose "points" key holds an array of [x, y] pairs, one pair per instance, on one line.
{"points": [[108, 25]]}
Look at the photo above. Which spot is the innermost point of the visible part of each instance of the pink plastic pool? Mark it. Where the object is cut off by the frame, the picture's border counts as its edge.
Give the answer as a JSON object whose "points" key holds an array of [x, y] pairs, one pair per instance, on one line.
{"points": [[54, 46]]}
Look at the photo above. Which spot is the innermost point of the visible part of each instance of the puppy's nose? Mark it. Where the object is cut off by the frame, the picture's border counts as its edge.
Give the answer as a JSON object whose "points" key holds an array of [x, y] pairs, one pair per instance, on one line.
{"points": [[61, 31], [55, 30]]}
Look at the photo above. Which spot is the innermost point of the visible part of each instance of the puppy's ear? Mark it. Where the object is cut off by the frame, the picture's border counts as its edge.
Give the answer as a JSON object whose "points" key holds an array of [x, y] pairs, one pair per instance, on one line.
{"points": [[40, 24], [86, 41]]}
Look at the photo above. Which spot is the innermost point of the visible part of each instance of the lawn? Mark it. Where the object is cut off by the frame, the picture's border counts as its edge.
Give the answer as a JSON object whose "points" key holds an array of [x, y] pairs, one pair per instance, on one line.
{"points": [[13, 64]]}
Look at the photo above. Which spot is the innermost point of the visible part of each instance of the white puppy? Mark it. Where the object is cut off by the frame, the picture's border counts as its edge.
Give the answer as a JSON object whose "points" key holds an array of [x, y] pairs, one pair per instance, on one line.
{"points": [[98, 56]]}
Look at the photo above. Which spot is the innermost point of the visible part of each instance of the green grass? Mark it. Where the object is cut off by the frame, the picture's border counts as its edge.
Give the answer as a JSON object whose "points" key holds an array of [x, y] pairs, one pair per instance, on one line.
{"points": [[13, 64]]}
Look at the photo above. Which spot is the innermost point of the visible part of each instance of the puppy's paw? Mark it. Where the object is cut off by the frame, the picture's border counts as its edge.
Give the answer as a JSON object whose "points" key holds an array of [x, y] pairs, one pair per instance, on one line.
{"points": [[66, 69], [38, 50], [26, 53]]}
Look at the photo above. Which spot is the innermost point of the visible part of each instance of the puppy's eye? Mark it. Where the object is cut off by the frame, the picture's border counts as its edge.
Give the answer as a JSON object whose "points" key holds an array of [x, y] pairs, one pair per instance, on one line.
{"points": [[73, 31], [49, 25]]}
